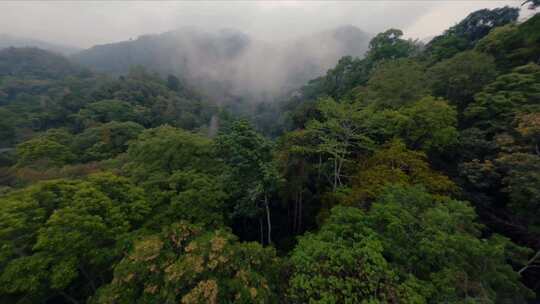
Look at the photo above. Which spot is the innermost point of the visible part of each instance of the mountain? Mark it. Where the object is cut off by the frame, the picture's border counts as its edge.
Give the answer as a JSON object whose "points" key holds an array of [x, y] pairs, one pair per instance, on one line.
{"points": [[30, 62], [14, 41], [228, 63]]}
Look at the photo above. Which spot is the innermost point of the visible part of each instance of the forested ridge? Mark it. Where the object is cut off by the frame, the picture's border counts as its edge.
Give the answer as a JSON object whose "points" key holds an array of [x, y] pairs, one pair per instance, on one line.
{"points": [[408, 175]]}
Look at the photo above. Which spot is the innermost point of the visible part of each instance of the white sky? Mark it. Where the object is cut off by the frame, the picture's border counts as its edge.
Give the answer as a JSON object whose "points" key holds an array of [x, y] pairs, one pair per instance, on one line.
{"points": [[86, 23]]}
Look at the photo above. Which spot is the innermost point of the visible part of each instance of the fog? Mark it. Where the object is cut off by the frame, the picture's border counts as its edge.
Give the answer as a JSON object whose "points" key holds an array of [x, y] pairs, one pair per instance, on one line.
{"points": [[86, 23], [268, 48]]}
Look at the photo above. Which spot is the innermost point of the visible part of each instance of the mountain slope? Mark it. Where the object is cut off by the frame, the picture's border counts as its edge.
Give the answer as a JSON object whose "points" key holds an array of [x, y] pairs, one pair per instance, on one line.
{"points": [[229, 63], [29, 62], [15, 41]]}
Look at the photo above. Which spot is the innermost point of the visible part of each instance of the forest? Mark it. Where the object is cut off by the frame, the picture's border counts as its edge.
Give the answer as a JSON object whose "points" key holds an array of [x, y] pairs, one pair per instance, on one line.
{"points": [[408, 175]]}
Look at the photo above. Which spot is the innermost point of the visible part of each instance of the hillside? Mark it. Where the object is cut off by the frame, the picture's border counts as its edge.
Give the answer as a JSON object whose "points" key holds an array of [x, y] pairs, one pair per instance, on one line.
{"points": [[228, 62], [15, 41], [36, 63]]}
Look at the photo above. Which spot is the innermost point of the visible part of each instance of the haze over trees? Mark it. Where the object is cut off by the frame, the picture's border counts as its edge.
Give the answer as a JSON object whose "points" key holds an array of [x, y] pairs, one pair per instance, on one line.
{"points": [[408, 174]]}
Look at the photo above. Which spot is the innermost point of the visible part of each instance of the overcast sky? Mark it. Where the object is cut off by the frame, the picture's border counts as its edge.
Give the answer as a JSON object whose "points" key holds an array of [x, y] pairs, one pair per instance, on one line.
{"points": [[86, 23]]}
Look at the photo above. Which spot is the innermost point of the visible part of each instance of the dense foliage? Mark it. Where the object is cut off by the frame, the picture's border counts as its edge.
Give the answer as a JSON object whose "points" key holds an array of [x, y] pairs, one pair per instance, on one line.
{"points": [[411, 175]]}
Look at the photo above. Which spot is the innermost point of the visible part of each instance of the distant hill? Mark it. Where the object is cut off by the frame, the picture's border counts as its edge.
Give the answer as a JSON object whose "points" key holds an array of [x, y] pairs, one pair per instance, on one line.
{"points": [[227, 62], [36, 64], [14, 41]]}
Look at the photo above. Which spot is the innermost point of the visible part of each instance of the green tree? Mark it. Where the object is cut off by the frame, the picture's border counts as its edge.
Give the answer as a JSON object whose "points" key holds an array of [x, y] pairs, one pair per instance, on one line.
{"points": [[495, 108], [185, 264], [344, 263], [395, 164], [395, 83], [106, 111], [467, 32], [59, 238], [252, 174], [157, 153], [338, 136], [513, 45], [438, 241], [294, 155], [197, 198], [430, 125], [43, 152], [521, 181], [410, 246], [457, 79], [389, 45], [105, 141]]}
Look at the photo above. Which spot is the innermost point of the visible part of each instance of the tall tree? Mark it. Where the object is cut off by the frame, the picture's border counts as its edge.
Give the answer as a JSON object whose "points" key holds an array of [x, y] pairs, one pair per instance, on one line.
{"points": [[339, 136]]}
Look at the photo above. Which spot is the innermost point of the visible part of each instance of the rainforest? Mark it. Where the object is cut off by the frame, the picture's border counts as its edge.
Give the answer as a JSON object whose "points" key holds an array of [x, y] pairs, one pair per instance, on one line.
{"points": [[198, 166]]}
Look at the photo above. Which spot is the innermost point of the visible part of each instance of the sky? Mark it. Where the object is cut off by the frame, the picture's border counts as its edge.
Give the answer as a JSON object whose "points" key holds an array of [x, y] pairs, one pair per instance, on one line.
{"points": [[87, 23]]}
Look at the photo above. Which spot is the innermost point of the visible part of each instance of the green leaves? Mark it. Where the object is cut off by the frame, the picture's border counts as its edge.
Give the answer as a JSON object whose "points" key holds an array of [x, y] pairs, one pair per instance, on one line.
{"points": [[411, 246], [496, 107], [338, 136], [61, 236], [158, 152], [343, 263], [105, 141], [198, 198], [396, 83], [430, 126], [184, 264], [389, 45], [457, 79], [43, 152]]}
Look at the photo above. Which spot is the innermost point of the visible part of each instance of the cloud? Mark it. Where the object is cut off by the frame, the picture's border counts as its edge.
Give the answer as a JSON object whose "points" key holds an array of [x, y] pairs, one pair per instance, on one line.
{"points": [[86, 23]]}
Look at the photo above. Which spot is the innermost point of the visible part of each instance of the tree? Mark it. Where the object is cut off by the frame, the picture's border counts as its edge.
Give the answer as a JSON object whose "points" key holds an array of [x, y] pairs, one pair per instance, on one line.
{"points": [[395, 83], [388, 45], [430, 125], [107, 111], [338, 136], [521, 181], [7, 128], [496, 106], [253, 176], [395, 164], [173, 83], [157, 153], [105, 141], [532, 3], [457, 79], [43, 152], [294, 156], [60, 237], [185, 264], [529, 128], [513, 45], [410, 246], [197, 198], [468, 31], [438, 241], [344, 263]]}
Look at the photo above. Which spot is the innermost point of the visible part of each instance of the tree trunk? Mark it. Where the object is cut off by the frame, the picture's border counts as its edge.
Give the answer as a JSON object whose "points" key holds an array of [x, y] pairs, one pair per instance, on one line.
{"points": [[261, 231], [335, 175], [299, 228], [69, 298], [319, 168], [295, 213], [268, 219], [338, 171], [530, 262], [87, 276]]}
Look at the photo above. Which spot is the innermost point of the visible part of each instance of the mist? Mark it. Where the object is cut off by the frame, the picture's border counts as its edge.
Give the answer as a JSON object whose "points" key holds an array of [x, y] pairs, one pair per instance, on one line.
{"points": [[87, 23], [234, 49]]}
